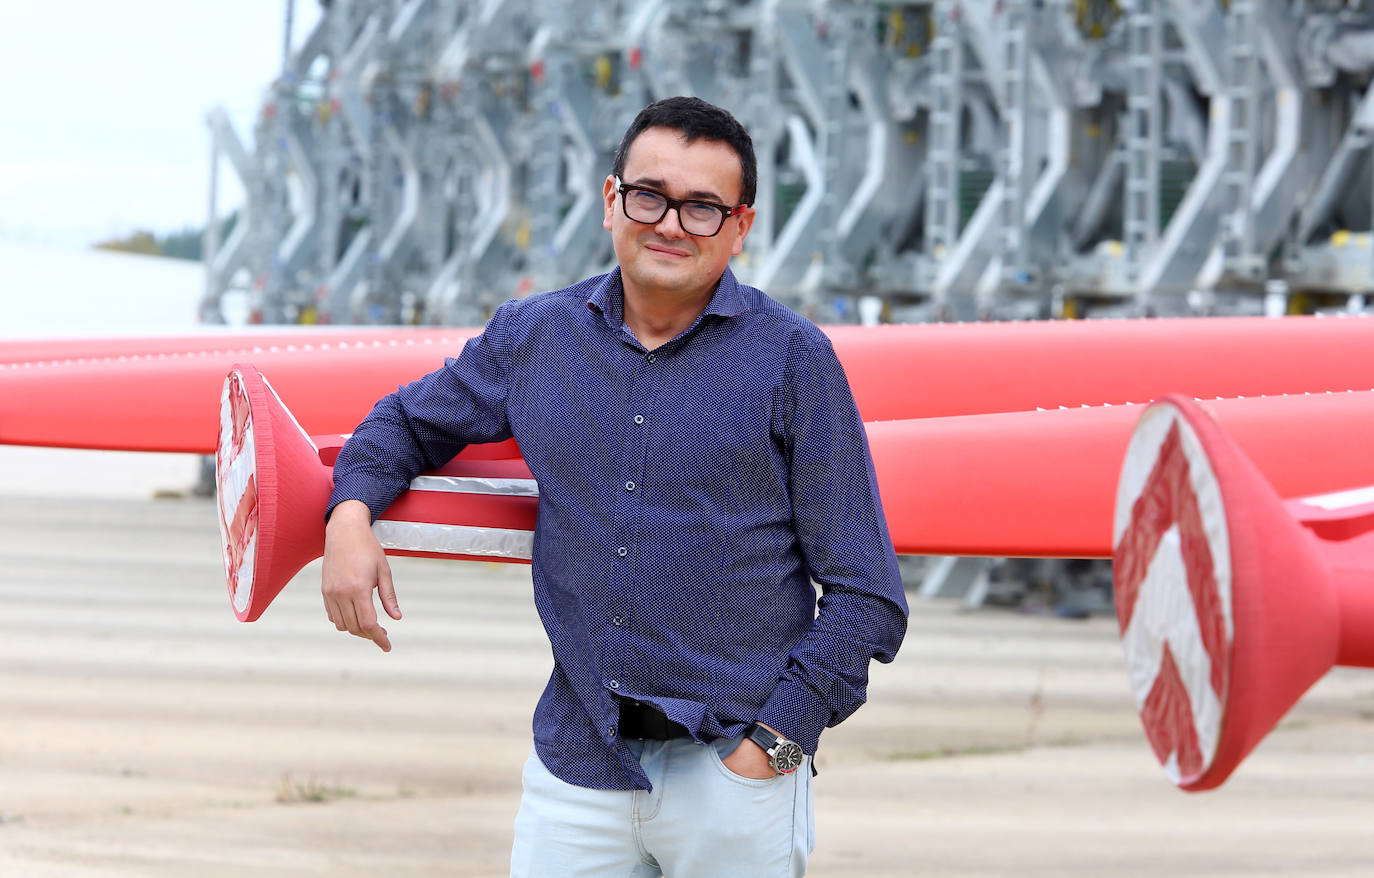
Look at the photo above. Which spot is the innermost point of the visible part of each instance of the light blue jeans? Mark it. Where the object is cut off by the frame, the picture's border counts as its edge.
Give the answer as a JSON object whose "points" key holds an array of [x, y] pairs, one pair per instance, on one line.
{"points": [[700, 819]]}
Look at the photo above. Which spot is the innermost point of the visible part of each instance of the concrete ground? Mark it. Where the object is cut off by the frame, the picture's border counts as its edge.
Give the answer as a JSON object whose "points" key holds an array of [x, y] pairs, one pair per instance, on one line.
{"points": [[145, 732]]}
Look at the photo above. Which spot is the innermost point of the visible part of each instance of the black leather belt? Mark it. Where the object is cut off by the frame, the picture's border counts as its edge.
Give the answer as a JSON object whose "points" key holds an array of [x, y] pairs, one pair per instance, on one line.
{"points": [[640, 720]]}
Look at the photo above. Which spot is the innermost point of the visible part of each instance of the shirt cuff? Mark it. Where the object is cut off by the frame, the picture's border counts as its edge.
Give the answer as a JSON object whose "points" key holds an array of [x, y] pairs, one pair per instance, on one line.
{"points": [[797, 712], [367, 493]]}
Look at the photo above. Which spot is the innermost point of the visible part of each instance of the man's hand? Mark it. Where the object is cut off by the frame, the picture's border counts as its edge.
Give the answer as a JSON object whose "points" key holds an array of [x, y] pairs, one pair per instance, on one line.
{"points": [[750, 760], [354, 564]]}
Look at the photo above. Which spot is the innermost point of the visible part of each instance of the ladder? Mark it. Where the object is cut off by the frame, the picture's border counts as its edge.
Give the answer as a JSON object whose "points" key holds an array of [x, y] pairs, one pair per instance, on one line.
{"points": [[1140, 222], [331, 150], [846, 29], [762, 103], [384, 193], [946, 111], [1013, 159], [1242, 136]]}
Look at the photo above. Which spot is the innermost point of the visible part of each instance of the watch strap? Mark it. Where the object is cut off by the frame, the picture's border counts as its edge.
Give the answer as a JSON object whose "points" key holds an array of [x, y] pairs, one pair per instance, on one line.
{"points": [[783, 755], [761, 736]]}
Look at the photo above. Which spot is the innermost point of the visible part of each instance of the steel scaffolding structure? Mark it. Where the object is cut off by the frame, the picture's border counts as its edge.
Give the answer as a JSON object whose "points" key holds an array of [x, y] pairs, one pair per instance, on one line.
{"points": [[421, 161]]}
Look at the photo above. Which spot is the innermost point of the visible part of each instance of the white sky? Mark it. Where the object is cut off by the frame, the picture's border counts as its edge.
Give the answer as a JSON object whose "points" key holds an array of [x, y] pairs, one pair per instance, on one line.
{"points": [[102, 109]]}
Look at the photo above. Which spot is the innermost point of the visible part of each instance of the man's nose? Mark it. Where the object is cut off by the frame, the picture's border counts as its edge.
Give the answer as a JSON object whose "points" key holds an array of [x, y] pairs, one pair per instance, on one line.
{"points": [[671, 225]]}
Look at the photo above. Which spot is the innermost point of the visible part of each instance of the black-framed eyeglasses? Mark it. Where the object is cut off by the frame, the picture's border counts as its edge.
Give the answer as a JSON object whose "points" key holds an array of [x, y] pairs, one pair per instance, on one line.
{"points": [[701, 218]]}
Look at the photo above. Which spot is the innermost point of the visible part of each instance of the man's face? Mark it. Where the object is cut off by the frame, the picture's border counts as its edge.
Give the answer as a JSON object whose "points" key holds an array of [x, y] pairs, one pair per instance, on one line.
{"points": [[661, 258]]}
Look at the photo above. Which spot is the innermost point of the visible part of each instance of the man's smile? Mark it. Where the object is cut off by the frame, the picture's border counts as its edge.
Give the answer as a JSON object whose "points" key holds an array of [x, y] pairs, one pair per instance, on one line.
{"points": [[662, 249]]}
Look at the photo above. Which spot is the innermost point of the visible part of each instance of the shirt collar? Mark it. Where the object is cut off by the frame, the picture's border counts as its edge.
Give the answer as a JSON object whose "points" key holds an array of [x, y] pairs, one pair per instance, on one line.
{"points": [[728, 300], [608, 298]]}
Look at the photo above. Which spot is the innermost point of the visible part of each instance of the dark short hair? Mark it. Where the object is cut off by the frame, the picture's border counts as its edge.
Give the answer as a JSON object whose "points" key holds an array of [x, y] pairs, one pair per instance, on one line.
{"points": [[696, 120]]}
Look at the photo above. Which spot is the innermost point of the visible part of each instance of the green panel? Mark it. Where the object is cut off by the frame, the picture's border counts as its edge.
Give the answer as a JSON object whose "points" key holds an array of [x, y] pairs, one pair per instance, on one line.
{"points": [[1175, 175], [786, 196], [972, 184]]}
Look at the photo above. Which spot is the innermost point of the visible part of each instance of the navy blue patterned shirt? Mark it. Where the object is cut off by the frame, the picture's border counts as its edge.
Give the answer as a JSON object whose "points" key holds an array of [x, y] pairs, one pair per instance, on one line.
{"points": [[688, 497]]}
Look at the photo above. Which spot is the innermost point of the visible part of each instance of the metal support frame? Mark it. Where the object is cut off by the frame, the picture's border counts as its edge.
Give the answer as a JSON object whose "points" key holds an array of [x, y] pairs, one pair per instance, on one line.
{"points": [[414, 162]]}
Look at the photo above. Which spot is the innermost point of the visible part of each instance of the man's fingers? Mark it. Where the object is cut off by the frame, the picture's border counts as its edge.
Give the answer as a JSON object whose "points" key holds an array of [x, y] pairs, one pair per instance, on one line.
{"points": [[377, 634], [334, 608], [335, 615], [387, 591], [361, 618], [346, 618]]}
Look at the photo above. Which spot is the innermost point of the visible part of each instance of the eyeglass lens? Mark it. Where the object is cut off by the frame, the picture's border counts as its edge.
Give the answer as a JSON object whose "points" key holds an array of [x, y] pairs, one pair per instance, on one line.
{"points": [[696, 217]]}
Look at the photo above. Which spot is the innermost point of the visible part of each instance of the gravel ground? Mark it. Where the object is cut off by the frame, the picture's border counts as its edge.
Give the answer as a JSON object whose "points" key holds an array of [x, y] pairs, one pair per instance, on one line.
{"points": [[145, 732]]}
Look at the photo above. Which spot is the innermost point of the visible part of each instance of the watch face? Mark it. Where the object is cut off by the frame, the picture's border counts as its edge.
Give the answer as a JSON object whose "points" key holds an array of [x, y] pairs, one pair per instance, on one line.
{"points": [[787, 757]]}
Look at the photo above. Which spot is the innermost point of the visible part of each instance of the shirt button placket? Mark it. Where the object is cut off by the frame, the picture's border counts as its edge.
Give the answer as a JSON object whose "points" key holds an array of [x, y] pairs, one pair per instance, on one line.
{"points": [[618, 619]]}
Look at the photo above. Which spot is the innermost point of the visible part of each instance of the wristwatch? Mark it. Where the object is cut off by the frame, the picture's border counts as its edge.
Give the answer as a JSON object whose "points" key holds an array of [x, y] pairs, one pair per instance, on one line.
{"points": [[785, 756]]}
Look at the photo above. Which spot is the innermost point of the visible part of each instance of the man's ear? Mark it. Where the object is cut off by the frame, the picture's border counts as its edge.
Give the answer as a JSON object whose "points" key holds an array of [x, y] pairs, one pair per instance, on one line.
{"points": [[743, 222], [608, 196]]}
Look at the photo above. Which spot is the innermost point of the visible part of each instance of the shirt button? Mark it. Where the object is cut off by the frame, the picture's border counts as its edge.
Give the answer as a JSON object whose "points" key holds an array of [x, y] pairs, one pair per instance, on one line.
{"points": [[610, 732], [617, 621], [639, 419], [614, 684], [629, 486], [622, 551], [653, 359]]}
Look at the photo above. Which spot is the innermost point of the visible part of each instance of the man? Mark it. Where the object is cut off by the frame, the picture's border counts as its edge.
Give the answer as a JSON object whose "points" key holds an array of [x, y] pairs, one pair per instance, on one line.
{"points": [[700, 461]]}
